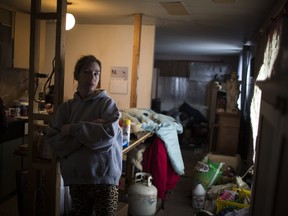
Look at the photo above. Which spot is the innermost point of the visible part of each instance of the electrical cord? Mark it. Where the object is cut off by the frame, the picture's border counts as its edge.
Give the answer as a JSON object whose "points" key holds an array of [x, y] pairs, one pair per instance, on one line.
{"points": [[250, 170], [35, 90], [48, 82]]}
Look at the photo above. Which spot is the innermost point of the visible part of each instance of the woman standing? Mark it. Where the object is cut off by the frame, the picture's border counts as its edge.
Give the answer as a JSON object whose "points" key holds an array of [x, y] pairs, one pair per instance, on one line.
{"points": [[85, 134]]}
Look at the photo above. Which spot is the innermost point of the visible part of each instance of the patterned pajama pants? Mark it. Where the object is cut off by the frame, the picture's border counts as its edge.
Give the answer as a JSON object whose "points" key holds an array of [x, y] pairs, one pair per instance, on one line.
{"points": [[101, 198]]}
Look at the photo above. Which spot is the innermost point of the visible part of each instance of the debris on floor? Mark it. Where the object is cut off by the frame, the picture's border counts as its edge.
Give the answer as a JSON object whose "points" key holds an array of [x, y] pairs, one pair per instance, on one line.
{"points": [[227, 193]]}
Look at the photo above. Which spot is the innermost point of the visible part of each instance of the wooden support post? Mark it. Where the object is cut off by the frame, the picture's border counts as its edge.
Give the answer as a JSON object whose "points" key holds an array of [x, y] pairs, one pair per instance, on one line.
{"points": [[33, 68], [44, 173], [135, 59], [58, 97]]}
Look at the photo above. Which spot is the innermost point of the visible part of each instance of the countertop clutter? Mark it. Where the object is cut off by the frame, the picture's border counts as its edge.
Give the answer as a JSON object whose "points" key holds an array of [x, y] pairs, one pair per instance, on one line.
{"points": [[13, 119], [16, 106]]}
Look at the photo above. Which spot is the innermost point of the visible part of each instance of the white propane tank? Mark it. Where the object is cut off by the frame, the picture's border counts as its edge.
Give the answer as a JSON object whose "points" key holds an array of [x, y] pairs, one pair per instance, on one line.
{"points": [[142, 196]]}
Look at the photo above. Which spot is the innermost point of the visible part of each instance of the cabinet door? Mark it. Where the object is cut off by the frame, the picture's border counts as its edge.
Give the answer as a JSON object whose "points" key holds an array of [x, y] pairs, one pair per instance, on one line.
{"points": [[281, 188], [268, 151], [21, 40], [5, 46], [227, 135], [227, 140], [10, 163]]}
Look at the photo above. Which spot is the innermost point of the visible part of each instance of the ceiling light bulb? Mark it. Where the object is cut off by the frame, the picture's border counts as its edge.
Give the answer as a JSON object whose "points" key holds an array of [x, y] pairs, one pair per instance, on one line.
{"points": [[70, 21]]}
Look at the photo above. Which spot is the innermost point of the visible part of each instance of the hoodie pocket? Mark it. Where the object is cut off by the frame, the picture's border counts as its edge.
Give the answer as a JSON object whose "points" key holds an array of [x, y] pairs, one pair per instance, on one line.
{"points": [[110, 163]]}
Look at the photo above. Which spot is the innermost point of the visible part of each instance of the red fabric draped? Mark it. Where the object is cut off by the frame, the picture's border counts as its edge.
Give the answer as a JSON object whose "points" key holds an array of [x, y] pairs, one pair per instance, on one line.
{"points": [[156, 162]]}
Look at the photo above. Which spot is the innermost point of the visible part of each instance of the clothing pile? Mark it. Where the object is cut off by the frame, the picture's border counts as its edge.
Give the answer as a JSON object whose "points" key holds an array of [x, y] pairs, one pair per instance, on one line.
{"points": [[193, 118], [165, 127], [161, 157]]}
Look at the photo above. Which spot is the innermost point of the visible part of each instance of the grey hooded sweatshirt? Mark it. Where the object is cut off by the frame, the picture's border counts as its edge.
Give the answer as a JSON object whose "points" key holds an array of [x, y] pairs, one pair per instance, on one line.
{"points": [[92, 153]]}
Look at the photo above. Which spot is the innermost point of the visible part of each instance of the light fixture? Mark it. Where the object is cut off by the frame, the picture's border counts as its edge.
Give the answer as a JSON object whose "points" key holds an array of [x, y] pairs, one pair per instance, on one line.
{"points": [[70, 21]]}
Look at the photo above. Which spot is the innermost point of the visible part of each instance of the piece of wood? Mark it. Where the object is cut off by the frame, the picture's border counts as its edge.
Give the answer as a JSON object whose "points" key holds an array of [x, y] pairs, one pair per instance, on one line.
{"points": [[134, 143], [212, 104], [135, 59], [44, 174]]}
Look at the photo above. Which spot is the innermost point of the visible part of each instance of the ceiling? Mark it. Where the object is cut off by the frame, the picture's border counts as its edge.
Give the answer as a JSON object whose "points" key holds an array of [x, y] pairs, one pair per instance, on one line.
{"points": [[190, 28]]}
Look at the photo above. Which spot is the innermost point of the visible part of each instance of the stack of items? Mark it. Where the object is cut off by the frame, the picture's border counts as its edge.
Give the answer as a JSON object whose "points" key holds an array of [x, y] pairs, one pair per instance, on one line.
{"points": [[231, 199], [226, 193]]}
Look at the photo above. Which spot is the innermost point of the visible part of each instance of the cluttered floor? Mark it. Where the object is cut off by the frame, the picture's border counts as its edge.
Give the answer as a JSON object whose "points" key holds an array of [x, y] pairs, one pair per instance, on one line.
{"points": [[178, 201], [229, 195]]}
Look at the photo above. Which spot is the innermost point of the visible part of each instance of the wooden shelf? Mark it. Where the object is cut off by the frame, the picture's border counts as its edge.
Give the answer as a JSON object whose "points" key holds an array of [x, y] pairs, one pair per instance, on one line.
{"points": [[133, 143]]}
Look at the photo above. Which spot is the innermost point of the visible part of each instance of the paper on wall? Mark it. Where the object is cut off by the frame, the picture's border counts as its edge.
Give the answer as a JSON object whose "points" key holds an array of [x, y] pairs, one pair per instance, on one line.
{"points": [[119, 80]]}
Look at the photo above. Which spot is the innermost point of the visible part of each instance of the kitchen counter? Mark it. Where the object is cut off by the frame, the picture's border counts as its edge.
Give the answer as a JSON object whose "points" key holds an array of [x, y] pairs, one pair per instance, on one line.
{"points": [[16, 129], [13, 137]]}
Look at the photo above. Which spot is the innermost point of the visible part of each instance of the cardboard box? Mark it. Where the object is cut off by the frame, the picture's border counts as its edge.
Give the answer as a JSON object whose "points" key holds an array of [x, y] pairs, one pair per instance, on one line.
{"points": [[122, 209], [234, 161]]}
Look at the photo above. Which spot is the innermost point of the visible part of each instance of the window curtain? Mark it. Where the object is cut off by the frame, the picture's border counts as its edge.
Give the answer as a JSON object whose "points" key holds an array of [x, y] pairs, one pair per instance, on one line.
{"points": [[264, 73]]}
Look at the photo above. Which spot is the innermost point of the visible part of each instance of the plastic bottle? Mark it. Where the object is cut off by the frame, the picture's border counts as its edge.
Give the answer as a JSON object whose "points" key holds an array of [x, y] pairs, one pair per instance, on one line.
{"points": [[198, 197], [126, 132]]}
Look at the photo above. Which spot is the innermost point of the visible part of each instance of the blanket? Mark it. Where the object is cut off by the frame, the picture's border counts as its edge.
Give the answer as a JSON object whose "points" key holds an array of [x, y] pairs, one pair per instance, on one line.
{"points": [[165, 127]]}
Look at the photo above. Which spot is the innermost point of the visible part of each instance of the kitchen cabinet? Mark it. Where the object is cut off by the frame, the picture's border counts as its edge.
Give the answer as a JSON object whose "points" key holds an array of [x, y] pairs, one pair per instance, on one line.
{"points": [[21, 40], [14, 39], [9, 162], [5, 38], [224, 127], [226, 133]]}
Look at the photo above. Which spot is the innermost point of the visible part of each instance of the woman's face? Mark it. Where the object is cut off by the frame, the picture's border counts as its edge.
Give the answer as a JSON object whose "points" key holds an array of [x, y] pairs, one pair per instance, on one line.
{"points": [[88, 79]]}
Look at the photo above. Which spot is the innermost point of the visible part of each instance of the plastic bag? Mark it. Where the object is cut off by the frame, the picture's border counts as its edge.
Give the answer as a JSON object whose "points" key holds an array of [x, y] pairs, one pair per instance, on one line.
{"points": [[207, 173]]}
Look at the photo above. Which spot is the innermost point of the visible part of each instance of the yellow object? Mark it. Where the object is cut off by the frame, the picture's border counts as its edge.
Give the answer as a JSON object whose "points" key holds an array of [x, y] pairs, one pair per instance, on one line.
{"points": [[221, 204], [127, 122], [126, 133]]}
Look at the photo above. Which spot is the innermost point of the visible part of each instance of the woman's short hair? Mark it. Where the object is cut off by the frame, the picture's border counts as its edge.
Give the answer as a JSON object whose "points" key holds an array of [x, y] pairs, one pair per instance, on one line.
{"points": [[84, 60]]}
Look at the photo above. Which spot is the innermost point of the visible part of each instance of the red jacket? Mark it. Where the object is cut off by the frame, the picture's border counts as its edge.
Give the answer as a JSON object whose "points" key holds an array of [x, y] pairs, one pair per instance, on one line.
{"points": [[156, 162]]}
